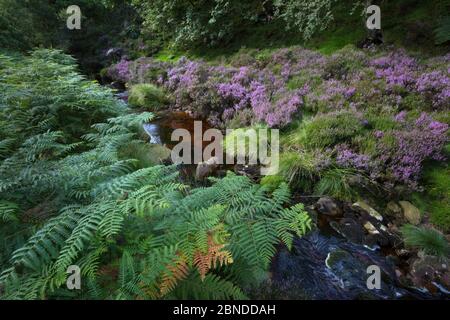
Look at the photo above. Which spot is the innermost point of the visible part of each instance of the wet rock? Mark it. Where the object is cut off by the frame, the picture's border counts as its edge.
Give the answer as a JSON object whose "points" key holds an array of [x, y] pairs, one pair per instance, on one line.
{"points": [[331, 268], [431, 272], [370, 228], [410, 212], [206, 168], [349, 229], [328, 206], [373, 240], [371, 211]]}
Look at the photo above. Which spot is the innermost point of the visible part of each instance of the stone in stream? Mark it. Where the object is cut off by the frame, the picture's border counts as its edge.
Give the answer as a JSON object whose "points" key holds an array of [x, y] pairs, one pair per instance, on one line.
{"points": [[370, 228], [349, 229], [432, 273]]}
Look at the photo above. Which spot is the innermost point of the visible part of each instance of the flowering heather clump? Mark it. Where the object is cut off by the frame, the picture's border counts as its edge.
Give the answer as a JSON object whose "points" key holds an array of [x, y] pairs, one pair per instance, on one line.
{"points": [[397, 68], [400, 117], [435, 86], [348, 158], [415, 143], [335, 95], [121, 71]]}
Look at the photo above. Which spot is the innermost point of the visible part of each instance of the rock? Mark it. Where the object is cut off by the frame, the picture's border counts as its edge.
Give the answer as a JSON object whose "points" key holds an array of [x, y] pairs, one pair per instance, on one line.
{"points": [[206, 168], [251, 171], [370, 228], [371, 211], [393, 208], [349, 229], [431, 272], [403, 253], [328, 207], [410, 212]]}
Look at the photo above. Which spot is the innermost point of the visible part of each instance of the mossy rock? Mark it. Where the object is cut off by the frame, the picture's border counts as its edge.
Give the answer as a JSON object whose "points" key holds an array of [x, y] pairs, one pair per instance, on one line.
{"points": [[147, 96], [146, 154]]}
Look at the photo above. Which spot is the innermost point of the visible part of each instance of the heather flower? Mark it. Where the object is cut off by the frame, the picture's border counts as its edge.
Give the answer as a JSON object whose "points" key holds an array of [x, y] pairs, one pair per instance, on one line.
{"points": [[400, 117], [120, 71], [415, 144], [397, 69], [436, 87], [378, 134], [348, 158]]}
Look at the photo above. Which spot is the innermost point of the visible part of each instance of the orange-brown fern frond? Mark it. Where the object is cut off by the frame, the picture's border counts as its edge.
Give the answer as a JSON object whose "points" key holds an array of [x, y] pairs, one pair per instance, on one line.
{"points": [[215, 255], [177, 271]]}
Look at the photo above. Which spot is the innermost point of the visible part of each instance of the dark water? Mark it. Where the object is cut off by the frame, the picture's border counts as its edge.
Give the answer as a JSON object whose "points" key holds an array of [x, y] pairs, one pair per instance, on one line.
{"points": [[326, 267], [160, 130]]}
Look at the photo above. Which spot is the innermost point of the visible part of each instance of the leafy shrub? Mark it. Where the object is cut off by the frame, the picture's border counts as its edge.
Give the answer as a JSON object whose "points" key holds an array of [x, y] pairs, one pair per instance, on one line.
{"points": [[147, 96], [442, 32], [307, 17], [429, 240], [203, 23]]}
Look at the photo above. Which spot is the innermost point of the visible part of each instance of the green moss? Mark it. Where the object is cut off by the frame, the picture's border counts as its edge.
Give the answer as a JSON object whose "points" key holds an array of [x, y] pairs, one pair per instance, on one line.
{"points": [[147, 96], [231, 141], [146, 154], [437, 195]]}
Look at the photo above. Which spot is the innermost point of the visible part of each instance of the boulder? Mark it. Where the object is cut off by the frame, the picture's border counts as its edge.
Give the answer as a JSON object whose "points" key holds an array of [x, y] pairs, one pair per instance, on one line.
{"points": [[371, 211], [393, 208], [206, 168], [410, 212], [328, 206]]}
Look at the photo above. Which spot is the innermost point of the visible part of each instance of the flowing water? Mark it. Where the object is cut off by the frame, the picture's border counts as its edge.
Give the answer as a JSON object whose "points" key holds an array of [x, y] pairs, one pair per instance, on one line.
{"points": [[321, 266]]}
